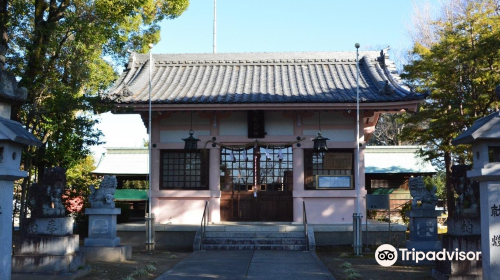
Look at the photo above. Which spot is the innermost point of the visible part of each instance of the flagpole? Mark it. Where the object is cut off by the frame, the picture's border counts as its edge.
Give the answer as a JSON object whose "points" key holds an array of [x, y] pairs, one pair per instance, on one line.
{"points": [[357, 216], [215, 26], [150, 218]]}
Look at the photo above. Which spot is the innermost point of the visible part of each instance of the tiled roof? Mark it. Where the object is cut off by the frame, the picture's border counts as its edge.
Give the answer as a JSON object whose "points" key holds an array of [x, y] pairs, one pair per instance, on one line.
{"points": [[395, 159], [485, 128], [314, 77], [13, 131], [123, 161]]}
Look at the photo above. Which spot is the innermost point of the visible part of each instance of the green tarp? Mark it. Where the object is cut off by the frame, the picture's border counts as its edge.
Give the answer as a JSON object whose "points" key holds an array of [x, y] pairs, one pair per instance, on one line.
{"points": [[131, 194]]}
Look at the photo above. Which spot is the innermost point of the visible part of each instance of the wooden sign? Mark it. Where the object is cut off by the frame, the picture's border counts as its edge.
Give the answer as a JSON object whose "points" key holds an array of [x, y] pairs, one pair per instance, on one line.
{"points": [[334, 182], [337, 161]]}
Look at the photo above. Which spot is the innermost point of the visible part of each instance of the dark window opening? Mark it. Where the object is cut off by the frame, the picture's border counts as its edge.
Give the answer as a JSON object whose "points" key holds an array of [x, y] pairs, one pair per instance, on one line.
{"points": [[331, 162], [240, 168], [184, 170], [493, 154]]}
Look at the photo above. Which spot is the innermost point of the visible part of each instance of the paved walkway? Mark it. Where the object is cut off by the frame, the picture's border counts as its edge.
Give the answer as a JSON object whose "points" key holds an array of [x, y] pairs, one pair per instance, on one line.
{"points": [[249, 265]]}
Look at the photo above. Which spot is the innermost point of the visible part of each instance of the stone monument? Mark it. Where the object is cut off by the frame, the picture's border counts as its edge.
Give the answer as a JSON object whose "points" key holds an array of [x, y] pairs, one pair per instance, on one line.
{"points": [[484, 135], [102, 243], [423, 218], [48, 248], [464, 229], [13, 138]]}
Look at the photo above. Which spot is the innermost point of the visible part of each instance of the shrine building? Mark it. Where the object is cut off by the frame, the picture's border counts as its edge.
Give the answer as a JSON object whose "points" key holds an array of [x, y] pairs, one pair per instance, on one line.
{"points": [[261, 120]]}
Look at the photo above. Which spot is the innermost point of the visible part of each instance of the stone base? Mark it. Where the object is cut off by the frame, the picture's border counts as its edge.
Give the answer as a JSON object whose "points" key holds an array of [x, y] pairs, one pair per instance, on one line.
{"points": [[48, 264], [108, 254], [61, 276], [460, 269], [50, 226], [48, 245], [438, 275], [101, 242]]}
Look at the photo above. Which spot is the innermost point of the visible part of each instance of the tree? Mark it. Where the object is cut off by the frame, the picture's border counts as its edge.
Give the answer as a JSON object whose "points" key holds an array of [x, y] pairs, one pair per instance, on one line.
{"points": [[78, 179], [460, 70], [388, 131], [64, 53]]}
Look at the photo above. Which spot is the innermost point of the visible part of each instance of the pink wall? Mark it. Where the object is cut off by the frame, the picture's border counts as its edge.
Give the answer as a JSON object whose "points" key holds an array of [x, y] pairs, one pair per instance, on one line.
{"points": [[186, 206]]}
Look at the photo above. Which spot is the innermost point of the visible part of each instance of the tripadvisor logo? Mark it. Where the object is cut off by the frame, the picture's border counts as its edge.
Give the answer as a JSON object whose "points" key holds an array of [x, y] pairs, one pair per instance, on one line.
{"points": [[387, 255]]}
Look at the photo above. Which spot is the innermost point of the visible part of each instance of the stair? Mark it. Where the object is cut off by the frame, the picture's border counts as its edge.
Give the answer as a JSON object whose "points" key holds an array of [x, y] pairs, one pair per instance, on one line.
{"points": [[251, 237]]}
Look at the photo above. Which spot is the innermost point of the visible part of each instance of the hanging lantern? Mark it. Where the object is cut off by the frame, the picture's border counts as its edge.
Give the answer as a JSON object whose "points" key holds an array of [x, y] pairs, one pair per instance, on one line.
{"points": [[320, 143], [280, 155], [191, 143]]}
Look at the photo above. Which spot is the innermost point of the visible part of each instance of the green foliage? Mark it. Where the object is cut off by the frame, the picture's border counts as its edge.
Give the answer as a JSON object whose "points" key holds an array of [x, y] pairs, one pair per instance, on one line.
{"points": [[438, 180], [345, 265], [350, 271], [402, 212], [65, 53], [150, 267], [135, 184], [354, 276], [140, 273], [460, 71], [78, 180]]}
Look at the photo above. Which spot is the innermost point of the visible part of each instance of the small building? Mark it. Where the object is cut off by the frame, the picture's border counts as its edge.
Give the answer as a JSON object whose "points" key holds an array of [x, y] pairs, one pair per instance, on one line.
{"points": [[255, 115], [128, 165]]}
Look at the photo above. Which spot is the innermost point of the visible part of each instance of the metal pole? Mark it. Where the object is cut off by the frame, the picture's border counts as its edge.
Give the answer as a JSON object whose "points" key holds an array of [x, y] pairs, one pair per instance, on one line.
{"points": [[357, 216], [215, 26], [150, 218]]}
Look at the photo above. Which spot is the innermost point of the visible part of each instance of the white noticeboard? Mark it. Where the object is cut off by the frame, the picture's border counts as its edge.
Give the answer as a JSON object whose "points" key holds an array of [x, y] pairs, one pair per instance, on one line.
{"points": [[335, 182]]}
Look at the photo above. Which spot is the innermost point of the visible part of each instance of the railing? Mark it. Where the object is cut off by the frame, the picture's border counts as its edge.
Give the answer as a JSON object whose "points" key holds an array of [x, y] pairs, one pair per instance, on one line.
{"points": [[204, 223], [304, 220]]}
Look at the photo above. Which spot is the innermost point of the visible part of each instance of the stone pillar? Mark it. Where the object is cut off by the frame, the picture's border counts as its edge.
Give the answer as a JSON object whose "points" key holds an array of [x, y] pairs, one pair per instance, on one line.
{"points": [[483, 135], [102, 243], [214, 184], [490, 228], [298, 183], [6, 196]]}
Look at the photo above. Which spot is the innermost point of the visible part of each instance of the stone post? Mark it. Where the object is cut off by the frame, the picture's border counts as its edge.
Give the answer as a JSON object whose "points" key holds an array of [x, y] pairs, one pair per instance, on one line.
{"points": [[6, 191], [48, 248], [423, 220], [483, 135], [13, 137], [102, 243]]}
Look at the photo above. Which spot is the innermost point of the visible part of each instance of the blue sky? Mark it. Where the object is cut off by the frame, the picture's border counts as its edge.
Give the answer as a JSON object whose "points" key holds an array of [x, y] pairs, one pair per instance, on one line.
{"points": [[269, 26]]}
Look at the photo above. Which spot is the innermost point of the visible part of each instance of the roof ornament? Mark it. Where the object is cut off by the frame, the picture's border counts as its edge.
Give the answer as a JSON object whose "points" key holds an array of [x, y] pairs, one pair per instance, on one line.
{"points": [[126, 91], [386, 89], [381, 58], [131, 60]]}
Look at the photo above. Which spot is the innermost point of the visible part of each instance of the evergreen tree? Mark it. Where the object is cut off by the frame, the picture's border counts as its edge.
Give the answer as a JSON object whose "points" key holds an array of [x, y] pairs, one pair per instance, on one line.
{"points": [[65, 53], [460, 71]]}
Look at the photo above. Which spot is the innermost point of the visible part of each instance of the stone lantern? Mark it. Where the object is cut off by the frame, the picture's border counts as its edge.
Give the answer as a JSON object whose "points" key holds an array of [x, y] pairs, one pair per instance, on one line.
{"points": [[13, 138], [484, 135]]}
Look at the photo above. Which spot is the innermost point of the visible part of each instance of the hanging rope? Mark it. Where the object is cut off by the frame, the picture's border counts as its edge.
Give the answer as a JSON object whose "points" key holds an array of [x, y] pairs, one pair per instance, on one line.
{"points": [[256, 143]]}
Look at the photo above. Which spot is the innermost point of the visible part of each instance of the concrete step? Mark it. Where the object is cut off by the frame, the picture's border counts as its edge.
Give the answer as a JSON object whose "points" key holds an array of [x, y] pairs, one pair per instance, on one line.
{"points": [[254, 247], [253, 234], [274, 228], [263, 241]]}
